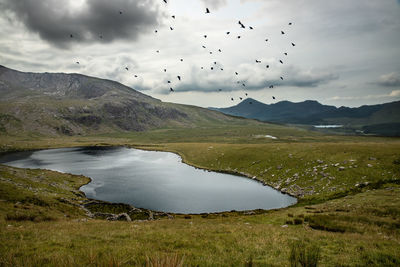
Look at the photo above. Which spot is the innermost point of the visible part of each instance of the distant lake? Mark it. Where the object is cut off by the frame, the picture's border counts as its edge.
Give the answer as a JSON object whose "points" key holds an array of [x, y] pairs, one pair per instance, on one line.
{"points": [[153, 180], [327, 126]]}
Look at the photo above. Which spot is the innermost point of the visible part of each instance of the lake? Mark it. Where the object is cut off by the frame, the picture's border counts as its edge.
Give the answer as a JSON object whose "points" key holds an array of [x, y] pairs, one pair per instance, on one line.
{"points": [[153, 180]]}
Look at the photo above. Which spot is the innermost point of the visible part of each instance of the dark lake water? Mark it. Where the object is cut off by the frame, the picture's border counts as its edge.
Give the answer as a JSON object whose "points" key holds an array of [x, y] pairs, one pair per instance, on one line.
{"points": [[153, 180]]}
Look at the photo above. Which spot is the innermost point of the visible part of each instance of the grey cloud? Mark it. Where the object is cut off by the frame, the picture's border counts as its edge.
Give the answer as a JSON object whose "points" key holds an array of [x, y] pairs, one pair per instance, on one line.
{"points": [[55, 22], [215, 4], [254, 78], [390, 80]]}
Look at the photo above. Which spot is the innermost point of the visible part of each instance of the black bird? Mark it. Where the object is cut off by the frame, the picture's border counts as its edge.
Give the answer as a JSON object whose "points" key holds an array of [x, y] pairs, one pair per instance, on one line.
{"points": [[205, 36], [271, 86], [246, 94], [172, 90], [181, 59], [236, 73], [232, 98], [204, 46], [282, 78], [267, 66], [71, 36], [290, 23], [258, 61], [173, 16], [171, 28], [281, 61], [220, 90], [222, 69], [120, 12], [273, 97], [136, 76], [210, 53], [285, 54], [266, 40], [165, 1], [202, 68], [155, 31], [101, 36], [158, 51], [219, 50], [282, 32], [241, 98], [215, 62], [228, 32], [126, 68], [243, 85], [207, 11], [212, 68], [251, 28], [293, 44], [238, 37], [241, 24], [179, 77], [77, 62], [165, 70], [169, 81]]}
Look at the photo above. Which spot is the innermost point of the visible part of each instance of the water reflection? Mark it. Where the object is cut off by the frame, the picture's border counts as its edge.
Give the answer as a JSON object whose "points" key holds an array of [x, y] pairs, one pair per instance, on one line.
{"points": [[153, 180]]}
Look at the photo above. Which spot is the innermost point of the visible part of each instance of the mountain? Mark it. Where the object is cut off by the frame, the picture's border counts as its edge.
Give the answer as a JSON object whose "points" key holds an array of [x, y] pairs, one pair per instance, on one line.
{"points": [[74, 104], [381, 119]]}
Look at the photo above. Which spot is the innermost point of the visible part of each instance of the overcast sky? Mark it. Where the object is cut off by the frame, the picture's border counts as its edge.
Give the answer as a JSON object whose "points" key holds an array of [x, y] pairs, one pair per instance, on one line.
{"points": [[345, 53]]}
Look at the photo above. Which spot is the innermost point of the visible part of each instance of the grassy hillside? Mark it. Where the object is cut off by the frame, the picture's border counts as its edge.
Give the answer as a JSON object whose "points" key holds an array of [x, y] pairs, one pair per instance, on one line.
{"points": [[351, 215]]}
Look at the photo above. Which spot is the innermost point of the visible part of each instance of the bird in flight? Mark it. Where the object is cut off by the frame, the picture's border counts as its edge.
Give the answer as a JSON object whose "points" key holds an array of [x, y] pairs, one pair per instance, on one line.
{"points": [[205, 36], [172, 90], [179, 77], [267, 66], [282, 32], [71, 36], [258, 61], [236, 73], [219, 50], [171, 28], [273, 97], [241, 98], [136, 76], [173, 16], [290, 23], [207, 11], [281, 78], [228, 32], [271, 86], [181, 59], [285, 54], [266, 40], [238, 37], [281, 61], [165, 1], [120, 12], [232, 98], [169, 82], [77, 62], [293, 44], [126, 68], [251, 28], [246, 94], [165, 70], [204, 46]]}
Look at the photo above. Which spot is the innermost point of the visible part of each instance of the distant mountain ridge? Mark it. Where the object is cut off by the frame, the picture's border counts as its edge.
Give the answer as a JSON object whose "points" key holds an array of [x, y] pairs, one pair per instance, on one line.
{"points": [[75, 104], [312, 112]]}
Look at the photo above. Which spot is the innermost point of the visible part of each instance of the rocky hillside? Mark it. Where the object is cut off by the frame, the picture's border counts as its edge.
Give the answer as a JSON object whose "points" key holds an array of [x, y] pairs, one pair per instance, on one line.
{"points": [[74, 104]]}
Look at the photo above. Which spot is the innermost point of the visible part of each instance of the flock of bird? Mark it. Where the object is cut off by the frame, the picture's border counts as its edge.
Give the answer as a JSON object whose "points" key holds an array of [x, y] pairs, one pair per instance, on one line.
{"points": [[214, 65]]}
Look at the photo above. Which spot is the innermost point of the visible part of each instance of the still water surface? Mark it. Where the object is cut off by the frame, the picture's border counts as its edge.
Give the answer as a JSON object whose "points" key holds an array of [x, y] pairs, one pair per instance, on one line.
{"points": [[153, 180]]}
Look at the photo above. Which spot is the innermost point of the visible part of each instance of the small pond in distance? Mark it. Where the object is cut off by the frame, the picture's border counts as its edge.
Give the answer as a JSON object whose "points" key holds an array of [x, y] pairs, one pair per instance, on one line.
{"points": [[153, 180]]}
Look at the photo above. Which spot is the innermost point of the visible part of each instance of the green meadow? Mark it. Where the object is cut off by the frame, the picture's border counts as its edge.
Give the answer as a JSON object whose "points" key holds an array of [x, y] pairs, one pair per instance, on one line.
{"points": [[348, 210]]}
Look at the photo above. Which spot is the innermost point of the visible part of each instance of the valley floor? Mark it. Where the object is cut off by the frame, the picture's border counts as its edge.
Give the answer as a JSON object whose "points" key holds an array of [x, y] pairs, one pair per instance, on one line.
{"points": [[348, 212]]}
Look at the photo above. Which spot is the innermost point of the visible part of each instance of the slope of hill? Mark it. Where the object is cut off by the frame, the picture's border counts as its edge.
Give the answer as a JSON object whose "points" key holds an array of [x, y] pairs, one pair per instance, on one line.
{"points": [[380, 119], [74, 104]]}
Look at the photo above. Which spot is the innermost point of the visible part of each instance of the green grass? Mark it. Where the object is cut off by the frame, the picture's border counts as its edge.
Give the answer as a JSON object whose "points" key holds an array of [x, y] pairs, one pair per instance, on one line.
{"points": [[352, 215]]}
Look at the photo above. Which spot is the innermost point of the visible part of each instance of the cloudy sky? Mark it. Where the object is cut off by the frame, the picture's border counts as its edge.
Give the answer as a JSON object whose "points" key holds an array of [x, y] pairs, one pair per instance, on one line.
{"points": [[345, 53]]}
